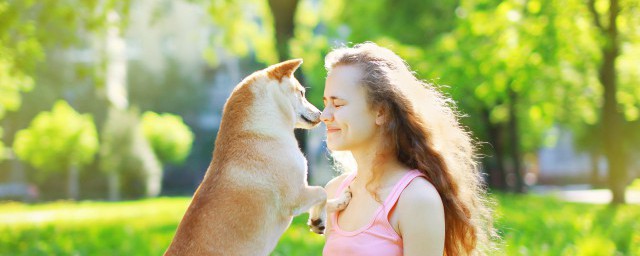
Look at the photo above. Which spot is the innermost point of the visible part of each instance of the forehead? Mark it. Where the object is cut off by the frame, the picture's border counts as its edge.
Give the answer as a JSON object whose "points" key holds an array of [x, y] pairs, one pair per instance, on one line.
{"points": [[344, 82]]}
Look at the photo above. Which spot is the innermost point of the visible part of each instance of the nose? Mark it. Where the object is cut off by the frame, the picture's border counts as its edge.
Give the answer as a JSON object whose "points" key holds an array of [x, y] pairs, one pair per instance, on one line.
{"points": [[326, 115]]}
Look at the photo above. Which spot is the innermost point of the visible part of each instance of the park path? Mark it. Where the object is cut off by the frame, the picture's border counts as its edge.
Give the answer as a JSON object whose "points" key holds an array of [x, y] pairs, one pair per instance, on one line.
{"points": [[584, 194]]}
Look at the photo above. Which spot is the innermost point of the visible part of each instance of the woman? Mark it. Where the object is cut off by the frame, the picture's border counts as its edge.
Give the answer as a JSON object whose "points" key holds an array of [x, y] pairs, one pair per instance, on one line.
{"points": [[416, 188]]}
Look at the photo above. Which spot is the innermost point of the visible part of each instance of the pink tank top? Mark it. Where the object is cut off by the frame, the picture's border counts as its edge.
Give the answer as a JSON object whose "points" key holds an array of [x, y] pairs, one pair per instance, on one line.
{"points": [[376, 238]]}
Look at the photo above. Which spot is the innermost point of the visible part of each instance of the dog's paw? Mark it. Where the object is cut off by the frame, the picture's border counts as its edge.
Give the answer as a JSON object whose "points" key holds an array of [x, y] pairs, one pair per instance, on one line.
{"points": [[344, 200], [317, 226]]}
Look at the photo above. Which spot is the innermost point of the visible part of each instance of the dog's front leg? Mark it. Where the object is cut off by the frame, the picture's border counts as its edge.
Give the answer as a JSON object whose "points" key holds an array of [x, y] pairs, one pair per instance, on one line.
{"points": [[318, 213], [309, 197]]}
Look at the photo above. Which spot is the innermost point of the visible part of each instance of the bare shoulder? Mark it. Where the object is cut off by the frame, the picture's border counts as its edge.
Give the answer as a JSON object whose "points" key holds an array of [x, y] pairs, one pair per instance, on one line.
{"points": [[421, 221], [334, 183], [419, 199], [420, 191]]}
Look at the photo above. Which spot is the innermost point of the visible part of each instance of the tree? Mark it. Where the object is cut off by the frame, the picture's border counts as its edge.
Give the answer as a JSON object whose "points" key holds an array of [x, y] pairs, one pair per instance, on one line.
{"points": [[126, 155], [59, 140], [170, 137], [495, 54], [613, 120], [27, 31]]}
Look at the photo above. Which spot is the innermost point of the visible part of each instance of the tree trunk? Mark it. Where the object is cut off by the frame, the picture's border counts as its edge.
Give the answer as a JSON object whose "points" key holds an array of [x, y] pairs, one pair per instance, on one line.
{"points": [[497, 175], [594, 156], [116, 59], [283, 15], [614, 148], [73, 189], [514, 142], [114, 185], [116, 85], [612, 120]]}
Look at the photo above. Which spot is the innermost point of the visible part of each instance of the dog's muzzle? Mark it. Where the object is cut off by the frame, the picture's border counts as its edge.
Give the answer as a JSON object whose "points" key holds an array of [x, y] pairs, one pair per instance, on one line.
{"points": [[308, 120]]}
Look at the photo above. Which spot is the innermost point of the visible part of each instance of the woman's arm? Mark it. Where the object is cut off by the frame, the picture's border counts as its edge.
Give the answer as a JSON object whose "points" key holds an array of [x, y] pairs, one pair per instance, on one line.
{"points": [[421, 219]]}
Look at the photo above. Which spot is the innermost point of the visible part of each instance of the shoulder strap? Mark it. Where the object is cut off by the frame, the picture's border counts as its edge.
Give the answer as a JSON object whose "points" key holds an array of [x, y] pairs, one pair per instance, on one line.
{"points": [[399, 187]]}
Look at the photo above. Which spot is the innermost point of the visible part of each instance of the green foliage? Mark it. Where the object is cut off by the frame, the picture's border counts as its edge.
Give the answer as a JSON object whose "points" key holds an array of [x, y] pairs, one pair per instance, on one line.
{"points": [[635, 185], [2, 150], [406, 27], [535, 225], [170, 137], [311, 47], [529, 225], [13, 81], [57, 140], [90, 228], [125, 228], [496, 56], [407, 22], [19, 51], [28, 28], [241, 27]]}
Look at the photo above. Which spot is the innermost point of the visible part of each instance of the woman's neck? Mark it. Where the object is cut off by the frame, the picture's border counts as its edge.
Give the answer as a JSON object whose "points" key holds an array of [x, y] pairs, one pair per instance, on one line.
{"points": [[368, 159]]}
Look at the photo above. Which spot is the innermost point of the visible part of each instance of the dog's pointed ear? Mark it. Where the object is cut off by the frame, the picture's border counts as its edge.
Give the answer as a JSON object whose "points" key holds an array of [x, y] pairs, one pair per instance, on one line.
{"points": [[283, 69]]}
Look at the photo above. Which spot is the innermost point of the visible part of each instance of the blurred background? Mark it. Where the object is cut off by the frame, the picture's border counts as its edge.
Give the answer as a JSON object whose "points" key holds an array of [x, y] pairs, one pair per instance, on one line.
{"points": [[112, 100]]}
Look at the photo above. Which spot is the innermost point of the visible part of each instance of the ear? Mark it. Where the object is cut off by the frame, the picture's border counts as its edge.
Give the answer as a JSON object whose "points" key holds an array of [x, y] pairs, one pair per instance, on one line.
{"points": [[381, 117], [283, 69]]}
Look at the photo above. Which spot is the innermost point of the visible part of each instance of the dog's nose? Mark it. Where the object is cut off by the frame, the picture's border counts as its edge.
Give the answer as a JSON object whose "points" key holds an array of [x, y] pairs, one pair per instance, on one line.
{"points": [[316, 116]]}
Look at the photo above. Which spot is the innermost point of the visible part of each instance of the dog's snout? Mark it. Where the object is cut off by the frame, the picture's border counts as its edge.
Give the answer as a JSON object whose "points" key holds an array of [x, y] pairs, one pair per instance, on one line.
{"points": [[316, 116]]}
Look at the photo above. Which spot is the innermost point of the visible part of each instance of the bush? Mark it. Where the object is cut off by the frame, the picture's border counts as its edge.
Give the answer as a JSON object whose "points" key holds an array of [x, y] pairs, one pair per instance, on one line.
{"points": [[60, 140], [635, 185], [57, 140], [170, 138]]}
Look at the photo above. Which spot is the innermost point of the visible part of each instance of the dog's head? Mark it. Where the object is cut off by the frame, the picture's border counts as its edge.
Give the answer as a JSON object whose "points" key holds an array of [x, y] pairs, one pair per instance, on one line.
{"points": [[307, 115]]}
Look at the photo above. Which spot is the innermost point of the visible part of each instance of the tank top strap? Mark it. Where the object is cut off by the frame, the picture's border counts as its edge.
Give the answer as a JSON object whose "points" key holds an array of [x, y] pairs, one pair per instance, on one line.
{"points": [[346, 182], [392, 198]]}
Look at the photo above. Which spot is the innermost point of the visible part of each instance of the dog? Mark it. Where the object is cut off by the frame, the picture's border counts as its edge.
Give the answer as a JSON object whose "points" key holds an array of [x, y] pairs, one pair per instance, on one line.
{"points": [[256, 182]]}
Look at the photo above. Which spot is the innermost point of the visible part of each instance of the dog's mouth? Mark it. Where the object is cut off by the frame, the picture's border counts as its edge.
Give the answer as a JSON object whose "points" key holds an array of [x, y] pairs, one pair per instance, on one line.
{"points": [[307, 120]]}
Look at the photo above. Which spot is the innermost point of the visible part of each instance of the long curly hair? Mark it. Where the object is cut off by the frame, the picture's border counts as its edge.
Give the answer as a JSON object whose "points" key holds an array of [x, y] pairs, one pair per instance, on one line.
{"points": [[423, 131]]}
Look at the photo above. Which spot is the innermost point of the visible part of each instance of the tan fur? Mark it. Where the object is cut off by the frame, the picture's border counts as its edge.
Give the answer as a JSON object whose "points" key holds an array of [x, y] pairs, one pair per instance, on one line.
{"points": [[256, 181]]}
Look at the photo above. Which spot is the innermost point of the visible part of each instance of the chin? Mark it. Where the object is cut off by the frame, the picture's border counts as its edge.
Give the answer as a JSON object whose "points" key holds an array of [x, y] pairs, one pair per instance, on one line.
{"points": [[334, 146]]}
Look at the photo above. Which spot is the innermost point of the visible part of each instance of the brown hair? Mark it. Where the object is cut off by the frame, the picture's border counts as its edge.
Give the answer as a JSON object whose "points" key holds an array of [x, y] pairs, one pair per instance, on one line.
{"points": [[423, 131]]}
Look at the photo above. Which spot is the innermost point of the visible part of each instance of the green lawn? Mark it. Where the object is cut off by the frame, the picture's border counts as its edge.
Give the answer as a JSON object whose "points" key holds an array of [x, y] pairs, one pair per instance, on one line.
{"points": [[529, 225]]}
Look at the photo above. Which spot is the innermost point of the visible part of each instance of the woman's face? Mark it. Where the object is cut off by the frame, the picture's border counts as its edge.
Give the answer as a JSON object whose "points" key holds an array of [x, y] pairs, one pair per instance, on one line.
{"points": [[350, 122]]}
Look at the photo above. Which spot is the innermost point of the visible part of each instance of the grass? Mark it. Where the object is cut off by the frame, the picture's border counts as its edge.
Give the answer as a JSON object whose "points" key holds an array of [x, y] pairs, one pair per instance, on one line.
{"points": [[529, 225], [536, 225]]}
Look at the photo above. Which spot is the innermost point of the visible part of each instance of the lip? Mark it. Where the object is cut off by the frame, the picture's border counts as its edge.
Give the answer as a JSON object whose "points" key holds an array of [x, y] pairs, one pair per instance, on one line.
{"points": [[332, 130]]}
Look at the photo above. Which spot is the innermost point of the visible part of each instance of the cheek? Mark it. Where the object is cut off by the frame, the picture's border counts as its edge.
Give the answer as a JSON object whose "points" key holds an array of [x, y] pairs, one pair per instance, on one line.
{"points": [[342, 117]]}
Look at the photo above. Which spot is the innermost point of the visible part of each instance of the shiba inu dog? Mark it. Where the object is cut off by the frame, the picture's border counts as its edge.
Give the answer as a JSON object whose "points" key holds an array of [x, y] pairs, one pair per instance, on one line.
{"points": [[256, 181]]}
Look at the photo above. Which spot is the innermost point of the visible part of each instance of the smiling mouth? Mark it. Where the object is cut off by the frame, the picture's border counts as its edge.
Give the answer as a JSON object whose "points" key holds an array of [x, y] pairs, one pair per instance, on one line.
{"points": [[332, 130]]}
